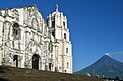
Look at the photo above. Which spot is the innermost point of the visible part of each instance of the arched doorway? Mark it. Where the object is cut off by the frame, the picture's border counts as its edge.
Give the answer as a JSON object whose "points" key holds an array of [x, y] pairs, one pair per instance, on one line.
{"points": [[35, 61], [15, 58]]}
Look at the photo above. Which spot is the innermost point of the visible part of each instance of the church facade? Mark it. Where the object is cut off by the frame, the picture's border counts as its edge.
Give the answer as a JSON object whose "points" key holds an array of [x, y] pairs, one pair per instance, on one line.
{"points": [[28, 41]]}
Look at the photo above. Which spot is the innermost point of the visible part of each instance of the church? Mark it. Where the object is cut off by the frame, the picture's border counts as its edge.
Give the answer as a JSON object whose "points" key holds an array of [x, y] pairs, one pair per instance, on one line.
{"points": [[28, 41]]}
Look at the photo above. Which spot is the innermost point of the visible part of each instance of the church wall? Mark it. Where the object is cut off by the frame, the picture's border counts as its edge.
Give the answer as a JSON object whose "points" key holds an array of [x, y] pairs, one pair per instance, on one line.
{"points": [[59, 33], [61, 18], [33, 37], [67, 56], [1, 24], [1, 28]]}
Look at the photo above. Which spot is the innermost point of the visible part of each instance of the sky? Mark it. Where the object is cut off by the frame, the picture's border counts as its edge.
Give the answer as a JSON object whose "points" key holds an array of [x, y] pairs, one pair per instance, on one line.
{"points": [[96, 26]]}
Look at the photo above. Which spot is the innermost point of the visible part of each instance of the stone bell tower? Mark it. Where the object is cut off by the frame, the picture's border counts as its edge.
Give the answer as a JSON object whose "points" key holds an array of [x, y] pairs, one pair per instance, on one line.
{"points": [[57, 23]]}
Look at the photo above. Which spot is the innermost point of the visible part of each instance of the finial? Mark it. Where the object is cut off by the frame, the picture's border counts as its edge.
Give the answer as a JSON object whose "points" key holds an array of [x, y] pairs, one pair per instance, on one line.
{"points": [[57, 7], [34, 5], [6, 12]]}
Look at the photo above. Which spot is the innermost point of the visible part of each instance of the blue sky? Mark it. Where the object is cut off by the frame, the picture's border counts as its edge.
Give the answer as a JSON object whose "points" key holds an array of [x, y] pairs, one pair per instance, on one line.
{"points": [[96, 26]]}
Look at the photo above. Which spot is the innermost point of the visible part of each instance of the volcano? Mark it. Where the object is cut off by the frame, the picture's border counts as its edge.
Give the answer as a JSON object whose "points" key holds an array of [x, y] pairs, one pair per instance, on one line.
{"points": [[105, 66]]}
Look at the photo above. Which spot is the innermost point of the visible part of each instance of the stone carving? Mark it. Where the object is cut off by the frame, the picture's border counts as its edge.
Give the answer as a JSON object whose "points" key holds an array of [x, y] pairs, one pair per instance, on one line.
{"points": [[35, 23], [0, 13], [41, 26], [15, 15], [27, 61], [45, 31], [6, 30]]}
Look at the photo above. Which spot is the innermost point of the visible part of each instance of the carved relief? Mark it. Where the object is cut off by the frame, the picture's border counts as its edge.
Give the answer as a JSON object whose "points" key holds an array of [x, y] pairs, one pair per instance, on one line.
{"points": [[27, 61], [7, 43], [6, 56], [45, 31], [15, 15], [29, 46], [28, 15], [6, 13], [41, 26], [6, 30], [27, 37], [31, 13], [25, 16], [40, 39], [35, 23], [35, 10]]}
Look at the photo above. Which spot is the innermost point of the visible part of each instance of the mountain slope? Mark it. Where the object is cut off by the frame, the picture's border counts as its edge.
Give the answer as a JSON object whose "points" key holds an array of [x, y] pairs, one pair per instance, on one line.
{"points": [[106, 66]]}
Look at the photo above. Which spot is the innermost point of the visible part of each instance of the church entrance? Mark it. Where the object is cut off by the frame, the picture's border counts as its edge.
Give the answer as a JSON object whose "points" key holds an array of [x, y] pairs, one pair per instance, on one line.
{"points": [[16, 60], [35, 61]]}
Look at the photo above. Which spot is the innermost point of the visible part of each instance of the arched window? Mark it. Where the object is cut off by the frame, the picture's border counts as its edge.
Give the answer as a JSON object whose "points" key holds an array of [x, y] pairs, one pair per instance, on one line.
{"points": [[64, 24], [50, 46], [53, 24], [66, 50], [16, 31], [67, 65], [65, 36]]}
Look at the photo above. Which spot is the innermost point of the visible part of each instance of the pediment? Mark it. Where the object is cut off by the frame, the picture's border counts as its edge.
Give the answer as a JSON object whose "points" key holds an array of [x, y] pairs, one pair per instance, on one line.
{"points": [[34, 18]]}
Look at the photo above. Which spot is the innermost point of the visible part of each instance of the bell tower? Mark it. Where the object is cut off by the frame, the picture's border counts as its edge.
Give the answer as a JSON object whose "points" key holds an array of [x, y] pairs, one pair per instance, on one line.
{"points": [[57, 23]]}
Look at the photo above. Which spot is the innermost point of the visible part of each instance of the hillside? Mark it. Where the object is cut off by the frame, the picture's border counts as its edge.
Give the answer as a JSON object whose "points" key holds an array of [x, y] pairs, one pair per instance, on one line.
{"points": [[19, 74], [105, 66]]}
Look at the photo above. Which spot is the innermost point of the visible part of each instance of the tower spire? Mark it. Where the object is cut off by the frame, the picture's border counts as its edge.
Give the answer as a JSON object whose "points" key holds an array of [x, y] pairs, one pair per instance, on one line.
{"points": [[57, 7]]}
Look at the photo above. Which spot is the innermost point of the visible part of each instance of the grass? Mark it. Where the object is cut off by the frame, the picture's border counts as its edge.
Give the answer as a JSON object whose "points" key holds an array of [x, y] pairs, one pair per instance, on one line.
{"points": [[20, 74]]}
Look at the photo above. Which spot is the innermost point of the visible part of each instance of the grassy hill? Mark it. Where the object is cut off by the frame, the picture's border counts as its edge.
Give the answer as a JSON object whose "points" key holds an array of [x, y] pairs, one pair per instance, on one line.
{"points": [[19, 74]]}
